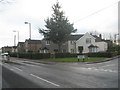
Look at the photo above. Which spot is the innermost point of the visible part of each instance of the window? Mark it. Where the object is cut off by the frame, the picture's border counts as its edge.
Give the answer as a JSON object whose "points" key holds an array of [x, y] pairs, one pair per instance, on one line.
{"points": [[88, 40], [93, 49], [71, 42], [72, 50], [64, 50], [47, 42]]}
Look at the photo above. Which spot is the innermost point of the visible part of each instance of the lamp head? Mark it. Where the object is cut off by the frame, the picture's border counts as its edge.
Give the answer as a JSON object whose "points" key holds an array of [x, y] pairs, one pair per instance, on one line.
{"points": [[26, 22]]}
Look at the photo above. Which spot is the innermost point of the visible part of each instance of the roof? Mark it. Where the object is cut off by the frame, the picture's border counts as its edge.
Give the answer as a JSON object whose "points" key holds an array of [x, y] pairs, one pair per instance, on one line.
{"points": [[34, 41], [14, 47], [21, 42], [91, 46], [75, 37], [7, 47], [78, 36], [98, 39]]}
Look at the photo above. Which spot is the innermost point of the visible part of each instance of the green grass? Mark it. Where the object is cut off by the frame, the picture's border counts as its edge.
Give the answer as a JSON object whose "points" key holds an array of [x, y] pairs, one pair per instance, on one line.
{"points": [[74, 59]]}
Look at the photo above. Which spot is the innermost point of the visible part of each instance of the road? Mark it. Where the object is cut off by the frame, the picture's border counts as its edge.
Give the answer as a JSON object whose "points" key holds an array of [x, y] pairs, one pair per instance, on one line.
{"points": [[27, 74]]}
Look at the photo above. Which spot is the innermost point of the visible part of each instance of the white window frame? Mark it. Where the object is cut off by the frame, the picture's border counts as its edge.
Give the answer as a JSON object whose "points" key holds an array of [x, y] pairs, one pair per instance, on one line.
{"points": [[88, 40], [47, 42]]}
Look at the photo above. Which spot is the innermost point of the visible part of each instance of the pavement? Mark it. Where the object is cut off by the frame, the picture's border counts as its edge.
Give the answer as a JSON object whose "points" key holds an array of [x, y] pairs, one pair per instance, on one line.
{"points": [[24, 73]]}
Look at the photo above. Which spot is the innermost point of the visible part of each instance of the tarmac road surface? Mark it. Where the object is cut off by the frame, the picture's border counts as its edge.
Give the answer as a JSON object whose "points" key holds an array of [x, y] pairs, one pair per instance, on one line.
{"points": [[27, 74]]}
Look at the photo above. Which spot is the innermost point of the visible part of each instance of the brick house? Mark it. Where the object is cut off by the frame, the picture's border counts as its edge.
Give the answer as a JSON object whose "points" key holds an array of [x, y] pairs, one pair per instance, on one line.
{"points": [[21, 47], [50, 47], [32, 45], [6, 49]]}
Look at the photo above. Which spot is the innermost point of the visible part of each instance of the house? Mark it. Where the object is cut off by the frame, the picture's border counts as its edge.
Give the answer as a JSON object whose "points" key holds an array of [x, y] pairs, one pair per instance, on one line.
{"points": [[50, 47], [80, 43], [32, 45], [6, 49], [90, 43], [21, 47], [14, 49]]}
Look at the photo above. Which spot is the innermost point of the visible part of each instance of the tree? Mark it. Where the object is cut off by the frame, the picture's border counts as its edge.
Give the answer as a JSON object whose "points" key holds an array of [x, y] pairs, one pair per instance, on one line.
{"points": [[58, 27]]}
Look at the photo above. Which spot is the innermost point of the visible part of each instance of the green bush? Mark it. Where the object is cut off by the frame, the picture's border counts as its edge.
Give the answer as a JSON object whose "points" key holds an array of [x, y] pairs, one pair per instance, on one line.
{"points": [[31, 55], [13, 54], [40, 55], [102, 54], [65, 55]]}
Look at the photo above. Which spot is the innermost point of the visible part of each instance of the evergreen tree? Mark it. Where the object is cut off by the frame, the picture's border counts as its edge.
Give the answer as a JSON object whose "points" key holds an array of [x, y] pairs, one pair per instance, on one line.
{"points": [[58, 27]]}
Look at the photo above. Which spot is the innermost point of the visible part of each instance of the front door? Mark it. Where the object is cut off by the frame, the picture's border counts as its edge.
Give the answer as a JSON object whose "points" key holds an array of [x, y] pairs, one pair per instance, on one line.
{"points": [[80, 49]]}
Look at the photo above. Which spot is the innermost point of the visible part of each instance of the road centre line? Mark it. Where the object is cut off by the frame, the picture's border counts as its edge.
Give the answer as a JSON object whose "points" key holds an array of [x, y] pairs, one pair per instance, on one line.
{"points": [[45, 80], [17, 68]]}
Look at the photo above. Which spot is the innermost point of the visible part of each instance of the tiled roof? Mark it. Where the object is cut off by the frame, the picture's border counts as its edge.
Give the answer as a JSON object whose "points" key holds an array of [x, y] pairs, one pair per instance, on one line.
{"points": [[75, 37], [34, 41], [98, 39], [21, 43], [78, 36]]}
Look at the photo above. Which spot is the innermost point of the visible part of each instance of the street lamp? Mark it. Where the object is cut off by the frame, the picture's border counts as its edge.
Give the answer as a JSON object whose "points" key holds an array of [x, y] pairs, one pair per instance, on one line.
{"points": [[115, 36], [18, 34], [14, 40], [29, 32], [29, 29]]}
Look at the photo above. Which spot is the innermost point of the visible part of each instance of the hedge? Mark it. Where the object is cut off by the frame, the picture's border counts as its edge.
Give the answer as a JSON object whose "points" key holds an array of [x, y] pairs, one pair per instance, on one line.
{"points": [[102, 54], [13, 54], [61, 55], [31, 55], [65, 55]]}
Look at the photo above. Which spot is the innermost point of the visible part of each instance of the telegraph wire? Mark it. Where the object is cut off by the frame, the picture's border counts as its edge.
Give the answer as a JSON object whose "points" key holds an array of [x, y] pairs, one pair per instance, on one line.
{"points": [[96, 12]]}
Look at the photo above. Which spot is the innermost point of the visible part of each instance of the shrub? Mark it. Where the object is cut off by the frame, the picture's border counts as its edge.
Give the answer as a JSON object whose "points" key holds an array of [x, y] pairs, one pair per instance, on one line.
{"points": [[64, 55], [31, 55], [102, 54], [13, 54]]}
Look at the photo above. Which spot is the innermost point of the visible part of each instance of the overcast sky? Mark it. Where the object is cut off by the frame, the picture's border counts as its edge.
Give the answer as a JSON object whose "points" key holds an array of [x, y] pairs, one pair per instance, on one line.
{"points": [[87, 15]]}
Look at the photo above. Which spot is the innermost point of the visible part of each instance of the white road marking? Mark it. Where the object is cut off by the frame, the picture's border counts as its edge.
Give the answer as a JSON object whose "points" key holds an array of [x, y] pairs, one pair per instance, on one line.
{"points": [[17, 68], [108, 65], [28, 62], [89, 68], [45, 80], [29, 65], [98, 69]]}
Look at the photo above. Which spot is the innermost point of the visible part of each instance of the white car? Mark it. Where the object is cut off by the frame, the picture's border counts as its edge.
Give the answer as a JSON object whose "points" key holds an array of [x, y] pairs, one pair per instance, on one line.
{"points": [[5, 57]]}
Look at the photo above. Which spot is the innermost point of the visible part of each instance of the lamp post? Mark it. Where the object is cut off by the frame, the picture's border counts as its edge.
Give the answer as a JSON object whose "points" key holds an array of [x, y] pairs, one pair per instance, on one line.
{"points": [[29, 33], [18, 34], [14, 40], [116, 40], [29, 29]]}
